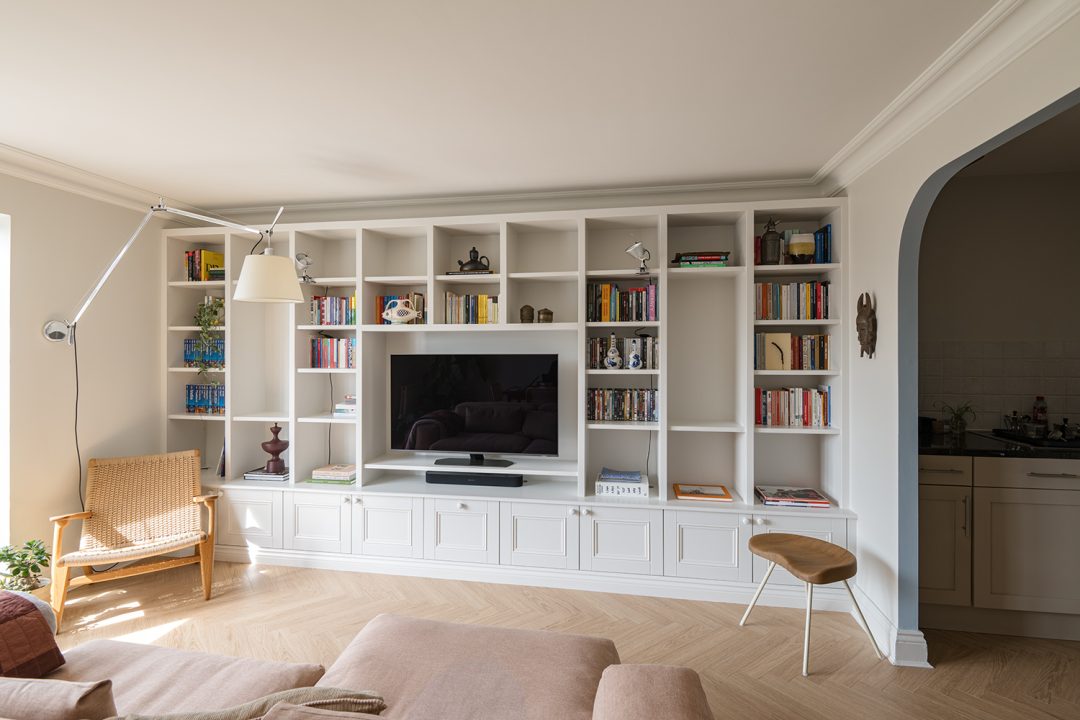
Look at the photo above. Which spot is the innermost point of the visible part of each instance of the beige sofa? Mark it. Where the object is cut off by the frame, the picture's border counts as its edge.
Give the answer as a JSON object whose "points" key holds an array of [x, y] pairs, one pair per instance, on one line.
{"points": [[425, 670]]}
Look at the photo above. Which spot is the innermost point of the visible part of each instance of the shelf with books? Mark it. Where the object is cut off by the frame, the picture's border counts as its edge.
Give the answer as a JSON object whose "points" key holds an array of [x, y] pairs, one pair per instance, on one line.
{"points": [[789, 430], [808, 270], [330, 328], [796, 323], [620, 372], [622, 425], [194, 328], [796, 373], [197, 284], [327, 371], [625, 324], [471, 279], [706, 236]]}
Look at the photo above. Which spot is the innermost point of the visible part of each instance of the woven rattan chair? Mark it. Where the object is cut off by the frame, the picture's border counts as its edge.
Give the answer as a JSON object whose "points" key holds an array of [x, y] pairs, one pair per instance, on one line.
{"points": [[136, 508]]}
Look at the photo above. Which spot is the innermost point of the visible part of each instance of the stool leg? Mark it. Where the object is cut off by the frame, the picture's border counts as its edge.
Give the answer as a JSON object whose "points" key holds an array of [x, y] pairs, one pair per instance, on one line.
{"points": [[806, 636], [862, 621], [757, 594]]}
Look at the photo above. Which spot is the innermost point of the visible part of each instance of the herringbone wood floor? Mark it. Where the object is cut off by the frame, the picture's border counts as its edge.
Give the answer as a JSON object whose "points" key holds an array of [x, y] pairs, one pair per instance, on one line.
{"points": [[752, 672]]}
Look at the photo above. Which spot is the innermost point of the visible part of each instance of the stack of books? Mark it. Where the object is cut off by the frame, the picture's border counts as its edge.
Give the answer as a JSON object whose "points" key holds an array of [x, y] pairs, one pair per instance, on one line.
{"points": [[203, 265], [605, 302], [196, 352], [622, 483], [701, 258], [793, 407], [259, 474], [622, 404], [205, 400], [334, 475], [333, 352], [333, 310], [346, 408], [791, 301], [791, 496], [471, 309], [784, 351]]}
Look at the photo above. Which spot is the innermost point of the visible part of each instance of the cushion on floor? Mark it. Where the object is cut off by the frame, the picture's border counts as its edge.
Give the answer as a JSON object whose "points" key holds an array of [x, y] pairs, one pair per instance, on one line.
{"points": [[148, 679], [429, 669]]}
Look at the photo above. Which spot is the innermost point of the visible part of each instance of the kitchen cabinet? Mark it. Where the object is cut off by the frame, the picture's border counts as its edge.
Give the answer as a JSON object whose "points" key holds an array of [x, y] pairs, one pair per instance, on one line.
{"points": [[461, 530], [622, 540], [250, 517], [539, 535], [388, 526], [707, 546], [945, 532], [945, 470], [317, 521]]}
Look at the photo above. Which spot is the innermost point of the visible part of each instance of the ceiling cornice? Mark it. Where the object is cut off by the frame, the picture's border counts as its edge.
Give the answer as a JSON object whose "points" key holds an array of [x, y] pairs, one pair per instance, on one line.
{"points": [[1005, 32]]}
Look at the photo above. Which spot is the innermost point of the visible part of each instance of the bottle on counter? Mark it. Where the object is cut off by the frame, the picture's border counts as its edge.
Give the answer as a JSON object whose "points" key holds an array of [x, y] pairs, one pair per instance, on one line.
{"points": [[1039, 411]]}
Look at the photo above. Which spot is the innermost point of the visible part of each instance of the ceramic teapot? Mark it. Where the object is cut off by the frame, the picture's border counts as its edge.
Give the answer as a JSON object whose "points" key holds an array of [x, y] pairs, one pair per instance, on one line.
{"points": [[399, 311], [475, 263]]}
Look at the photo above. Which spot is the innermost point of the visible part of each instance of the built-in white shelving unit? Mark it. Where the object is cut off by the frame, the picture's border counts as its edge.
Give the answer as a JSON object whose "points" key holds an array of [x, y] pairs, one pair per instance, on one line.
{"points": [[706, 431]]}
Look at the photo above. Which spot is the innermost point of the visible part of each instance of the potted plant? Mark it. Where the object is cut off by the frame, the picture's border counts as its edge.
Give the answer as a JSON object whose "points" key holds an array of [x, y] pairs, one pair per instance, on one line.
{"points": [[957, 417], [207, 317], [22, 566]]}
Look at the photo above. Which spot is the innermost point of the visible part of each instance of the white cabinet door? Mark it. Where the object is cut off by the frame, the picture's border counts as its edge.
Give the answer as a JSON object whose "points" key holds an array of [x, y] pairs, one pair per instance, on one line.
{"points": [[707, 545], [317, 521], [461, 530], [1025, 549], [250, 517], [539, 535], [623, 540], [832, 530], [945, 531], [388, 526]]}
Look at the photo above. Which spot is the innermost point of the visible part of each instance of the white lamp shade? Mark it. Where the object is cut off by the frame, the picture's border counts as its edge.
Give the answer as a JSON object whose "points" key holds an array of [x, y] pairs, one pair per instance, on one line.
{"points": [[267, 278]]}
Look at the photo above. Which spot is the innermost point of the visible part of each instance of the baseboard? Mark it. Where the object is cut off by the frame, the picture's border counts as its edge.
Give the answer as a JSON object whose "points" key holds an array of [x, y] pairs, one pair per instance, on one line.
{"points": [[1052, 626], [906, 648], [826, 599]]}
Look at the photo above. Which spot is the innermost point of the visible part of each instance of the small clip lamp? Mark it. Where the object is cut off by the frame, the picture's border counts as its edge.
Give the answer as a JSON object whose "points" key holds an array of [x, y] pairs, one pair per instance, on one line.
{"points": [[638, 252]]}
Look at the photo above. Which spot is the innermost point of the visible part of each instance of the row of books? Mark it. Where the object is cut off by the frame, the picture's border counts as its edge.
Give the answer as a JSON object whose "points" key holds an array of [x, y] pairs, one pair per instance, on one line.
{"points": [[621, 483], [793, 407], [701, 258], [823, 246], [622, 405], [205, 399], [471, 309], [333, 310], [198, 353], [203, 265], [778, 495], [333, 352], [606, 302], [784, 351], [347, 407], [792, 301], [645, 346], [415, 299]]}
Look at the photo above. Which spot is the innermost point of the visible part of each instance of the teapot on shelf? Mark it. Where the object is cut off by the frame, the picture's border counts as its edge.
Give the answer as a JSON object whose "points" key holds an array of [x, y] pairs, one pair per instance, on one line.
{"points": [[475, 263], [399, 311]]}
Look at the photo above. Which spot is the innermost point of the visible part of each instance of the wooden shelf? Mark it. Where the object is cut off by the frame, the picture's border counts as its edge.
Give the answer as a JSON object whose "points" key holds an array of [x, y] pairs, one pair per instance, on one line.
{"points": [[326, 327], [623, 371], [627, 273], [197, 283], [334, 282], [328, 419], [522, 465], [783, 430], [796, 373], [793, 323], [716, 426], [192, 416], [682, 273], [194, 328], [486, 279], [396, 279], [624, 324], [194, 370], [327, 371], [498, 327], [622, 425], [553, 276], [811, 269], [278, 416]]}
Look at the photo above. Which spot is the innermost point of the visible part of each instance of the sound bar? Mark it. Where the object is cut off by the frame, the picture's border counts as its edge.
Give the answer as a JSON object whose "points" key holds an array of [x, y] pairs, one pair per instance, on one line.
{"points": [[437, 477]]}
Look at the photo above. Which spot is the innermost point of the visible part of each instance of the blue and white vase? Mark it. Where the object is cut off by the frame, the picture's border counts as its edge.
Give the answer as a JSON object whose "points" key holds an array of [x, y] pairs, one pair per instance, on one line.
{"points": [[613, 360], [633, 357]]}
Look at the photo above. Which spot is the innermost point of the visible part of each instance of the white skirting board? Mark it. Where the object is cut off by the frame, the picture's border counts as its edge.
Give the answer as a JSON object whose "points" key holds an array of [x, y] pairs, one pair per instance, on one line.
{"points": [[906, 648], [789, 596]]}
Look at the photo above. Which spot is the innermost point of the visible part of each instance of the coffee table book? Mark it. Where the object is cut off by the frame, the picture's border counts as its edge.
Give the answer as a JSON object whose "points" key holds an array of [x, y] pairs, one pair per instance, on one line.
{"points": [[708, 493]]}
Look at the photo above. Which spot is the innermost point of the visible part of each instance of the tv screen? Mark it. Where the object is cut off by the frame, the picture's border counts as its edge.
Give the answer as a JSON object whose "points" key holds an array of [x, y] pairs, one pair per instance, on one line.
{"points": [[475, 403]]}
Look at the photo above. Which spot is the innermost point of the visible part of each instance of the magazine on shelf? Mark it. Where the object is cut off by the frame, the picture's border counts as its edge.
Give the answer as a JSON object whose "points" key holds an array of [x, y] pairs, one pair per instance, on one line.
{"points": [[791, 496], [259, 474]]}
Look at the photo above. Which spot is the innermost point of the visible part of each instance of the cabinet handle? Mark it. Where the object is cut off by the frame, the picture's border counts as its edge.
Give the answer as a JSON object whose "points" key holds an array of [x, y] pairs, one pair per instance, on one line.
{"points": [[964, 525], [461, 506], [759, 521], [573, 511], [943, 471], [1065, 476]]}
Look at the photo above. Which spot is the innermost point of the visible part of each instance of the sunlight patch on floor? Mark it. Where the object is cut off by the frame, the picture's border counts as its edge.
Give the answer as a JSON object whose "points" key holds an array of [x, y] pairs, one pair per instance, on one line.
{"points": [[150, 635]]}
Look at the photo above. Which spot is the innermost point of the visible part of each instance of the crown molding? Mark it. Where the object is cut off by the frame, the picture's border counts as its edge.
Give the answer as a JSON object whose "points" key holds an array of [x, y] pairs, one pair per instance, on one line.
{"points": [[1008, 30]]}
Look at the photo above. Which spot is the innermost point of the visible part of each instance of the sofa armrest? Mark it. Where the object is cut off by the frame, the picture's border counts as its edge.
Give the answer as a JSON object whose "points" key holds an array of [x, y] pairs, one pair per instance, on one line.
{"points": [[426, 432], [647, 692]]}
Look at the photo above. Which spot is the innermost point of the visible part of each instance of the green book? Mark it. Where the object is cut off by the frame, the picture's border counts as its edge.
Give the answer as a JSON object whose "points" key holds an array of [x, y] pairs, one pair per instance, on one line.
{"points": [[336, 481]]}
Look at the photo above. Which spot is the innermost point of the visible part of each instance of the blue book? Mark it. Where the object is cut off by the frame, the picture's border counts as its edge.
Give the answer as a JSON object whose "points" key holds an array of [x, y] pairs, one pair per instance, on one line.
{"points": [[629, 476]]}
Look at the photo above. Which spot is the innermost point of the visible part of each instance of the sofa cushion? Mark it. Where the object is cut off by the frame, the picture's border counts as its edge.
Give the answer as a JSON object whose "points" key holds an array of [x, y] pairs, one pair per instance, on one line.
{"points": [[288, 711], [150, 679], [27, 645], [348, 702], [647, 692], [427, 669], [32, 699]]}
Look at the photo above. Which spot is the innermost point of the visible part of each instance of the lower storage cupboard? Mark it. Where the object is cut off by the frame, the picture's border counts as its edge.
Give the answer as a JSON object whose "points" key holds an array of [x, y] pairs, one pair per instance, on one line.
{"points": [[677, 542]]}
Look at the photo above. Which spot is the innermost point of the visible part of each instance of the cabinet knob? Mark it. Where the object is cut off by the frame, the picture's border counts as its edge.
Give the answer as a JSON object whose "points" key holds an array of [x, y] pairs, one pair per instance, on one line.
{"points": [[346, 500], [358, 501], [461, 506], [747, 521], [587, 511], [759, 521], [573, 511]]}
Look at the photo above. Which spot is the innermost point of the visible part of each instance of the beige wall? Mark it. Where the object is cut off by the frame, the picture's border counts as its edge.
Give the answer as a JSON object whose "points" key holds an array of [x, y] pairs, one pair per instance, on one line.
{"points": [[998, 320], [60, 242]]}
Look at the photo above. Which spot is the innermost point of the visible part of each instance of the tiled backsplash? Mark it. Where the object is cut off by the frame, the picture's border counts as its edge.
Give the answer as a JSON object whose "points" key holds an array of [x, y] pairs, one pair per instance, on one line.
{"points": [[999, 377]]}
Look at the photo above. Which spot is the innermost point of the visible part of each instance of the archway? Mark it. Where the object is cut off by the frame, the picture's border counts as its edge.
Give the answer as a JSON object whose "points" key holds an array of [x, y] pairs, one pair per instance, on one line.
{"points": [[908, 352]]}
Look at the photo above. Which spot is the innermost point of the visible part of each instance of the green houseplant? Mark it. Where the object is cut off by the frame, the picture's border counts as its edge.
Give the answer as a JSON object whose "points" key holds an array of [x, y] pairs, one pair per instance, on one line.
{"points": [[22, 565], [207, 317], [957, 416]]}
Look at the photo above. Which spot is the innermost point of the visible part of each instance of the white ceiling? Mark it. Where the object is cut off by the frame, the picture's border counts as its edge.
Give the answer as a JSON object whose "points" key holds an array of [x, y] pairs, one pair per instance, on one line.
{"points": [[225, 104], [1051, 147]]}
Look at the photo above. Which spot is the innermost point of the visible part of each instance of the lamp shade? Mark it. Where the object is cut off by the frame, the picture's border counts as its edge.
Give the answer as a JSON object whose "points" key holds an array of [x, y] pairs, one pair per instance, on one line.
{"points": [[267, 278]]}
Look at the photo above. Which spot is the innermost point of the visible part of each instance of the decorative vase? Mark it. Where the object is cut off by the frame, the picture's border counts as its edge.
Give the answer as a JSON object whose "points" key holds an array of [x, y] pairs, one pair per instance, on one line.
{"points": [[613, 360], [545, 315], [400, 311], [633, 357], [476, 262], [770, 244], [527, 314], [275, 447]]}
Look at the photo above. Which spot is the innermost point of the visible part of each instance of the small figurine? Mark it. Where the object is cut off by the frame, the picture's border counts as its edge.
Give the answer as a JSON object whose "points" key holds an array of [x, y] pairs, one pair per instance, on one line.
{"points": [[527, 314], [613, 360], [545, 315], [275, 447]]}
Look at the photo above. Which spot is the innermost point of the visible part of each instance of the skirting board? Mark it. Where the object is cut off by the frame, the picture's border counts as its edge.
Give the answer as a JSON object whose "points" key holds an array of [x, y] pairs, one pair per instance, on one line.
{"points": [[789, 596], [906, 648], [1052, 626]]}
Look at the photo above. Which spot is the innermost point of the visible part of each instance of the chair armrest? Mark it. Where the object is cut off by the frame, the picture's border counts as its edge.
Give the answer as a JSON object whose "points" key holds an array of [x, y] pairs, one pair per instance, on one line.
{"points": [[206, 499], [647, 692], [65, 519]]}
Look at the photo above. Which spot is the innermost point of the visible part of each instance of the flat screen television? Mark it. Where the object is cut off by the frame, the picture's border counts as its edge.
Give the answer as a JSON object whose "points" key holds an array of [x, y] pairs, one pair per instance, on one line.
{"points": [[475, 404]]}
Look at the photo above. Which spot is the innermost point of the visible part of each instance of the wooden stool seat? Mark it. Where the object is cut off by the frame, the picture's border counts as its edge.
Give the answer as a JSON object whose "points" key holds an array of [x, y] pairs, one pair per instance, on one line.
{"points": [[813, 561], [809, 559]]}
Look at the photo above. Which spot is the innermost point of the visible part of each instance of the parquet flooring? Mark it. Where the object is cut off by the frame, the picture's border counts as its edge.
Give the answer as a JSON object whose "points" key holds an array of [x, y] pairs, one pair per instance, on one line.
{"points": [[753, 672]]}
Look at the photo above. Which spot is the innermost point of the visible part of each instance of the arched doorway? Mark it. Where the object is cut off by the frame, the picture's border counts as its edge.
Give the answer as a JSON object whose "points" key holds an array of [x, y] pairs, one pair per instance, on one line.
{"points": [[908, 351]]}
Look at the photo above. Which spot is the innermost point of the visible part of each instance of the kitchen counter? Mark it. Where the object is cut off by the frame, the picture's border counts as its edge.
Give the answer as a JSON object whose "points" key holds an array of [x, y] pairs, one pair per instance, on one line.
{"points": [[982, 443]]}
